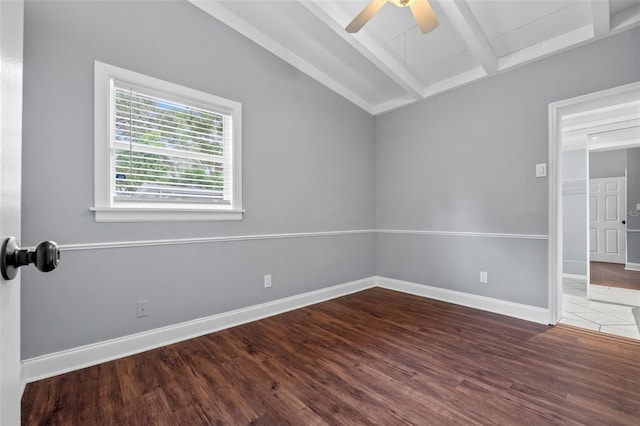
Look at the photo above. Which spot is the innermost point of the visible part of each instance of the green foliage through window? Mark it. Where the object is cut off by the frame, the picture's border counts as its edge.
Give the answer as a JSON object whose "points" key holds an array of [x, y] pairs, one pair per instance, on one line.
{"points": [[166, 151]]}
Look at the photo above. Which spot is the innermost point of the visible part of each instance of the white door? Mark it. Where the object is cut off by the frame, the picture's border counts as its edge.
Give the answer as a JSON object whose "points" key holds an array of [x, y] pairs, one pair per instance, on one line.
{"points": [[11, 27], [607, 212]]}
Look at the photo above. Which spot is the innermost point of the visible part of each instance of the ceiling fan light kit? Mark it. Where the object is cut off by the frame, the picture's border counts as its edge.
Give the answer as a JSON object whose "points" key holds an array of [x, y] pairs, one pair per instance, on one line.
{"points": [[402, 3], [421, 10]]}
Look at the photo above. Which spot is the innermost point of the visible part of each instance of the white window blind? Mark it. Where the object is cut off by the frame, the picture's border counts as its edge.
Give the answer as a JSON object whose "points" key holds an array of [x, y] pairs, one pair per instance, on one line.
{"points": [[167, 151]]}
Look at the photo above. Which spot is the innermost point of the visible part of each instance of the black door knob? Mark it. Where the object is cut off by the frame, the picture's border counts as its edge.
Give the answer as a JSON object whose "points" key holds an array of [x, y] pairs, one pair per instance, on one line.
{"points": [[624, 222], [45, 257]]}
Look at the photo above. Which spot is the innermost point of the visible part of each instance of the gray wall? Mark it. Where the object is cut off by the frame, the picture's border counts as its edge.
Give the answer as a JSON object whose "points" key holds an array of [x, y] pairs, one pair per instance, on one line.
{"points": [[607, 163], [465, 161], [574, 211], [633, 198], [293, 180]]}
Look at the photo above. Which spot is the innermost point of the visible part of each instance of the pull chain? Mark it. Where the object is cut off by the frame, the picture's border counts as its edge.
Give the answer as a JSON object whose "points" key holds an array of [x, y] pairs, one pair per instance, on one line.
{"points": [[404, 38]]}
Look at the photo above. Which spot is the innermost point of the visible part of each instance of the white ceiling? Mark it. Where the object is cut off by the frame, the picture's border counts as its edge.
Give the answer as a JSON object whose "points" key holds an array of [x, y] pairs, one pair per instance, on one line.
{"points": [[390, 63]]}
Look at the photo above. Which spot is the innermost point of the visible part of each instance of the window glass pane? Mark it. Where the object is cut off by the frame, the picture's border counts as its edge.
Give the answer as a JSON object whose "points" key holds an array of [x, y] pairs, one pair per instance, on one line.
{"points": [[150, 176], [175, 152]]}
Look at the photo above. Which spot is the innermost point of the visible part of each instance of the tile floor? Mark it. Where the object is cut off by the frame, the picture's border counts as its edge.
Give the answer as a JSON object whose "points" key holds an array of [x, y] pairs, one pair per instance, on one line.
{"points": [[613, 317], [623, 296]]}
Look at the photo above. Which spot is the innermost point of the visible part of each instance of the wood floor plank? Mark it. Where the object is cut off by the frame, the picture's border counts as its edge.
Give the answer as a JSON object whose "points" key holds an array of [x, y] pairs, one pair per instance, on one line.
{"points": [[374, 357], [614, 275]]}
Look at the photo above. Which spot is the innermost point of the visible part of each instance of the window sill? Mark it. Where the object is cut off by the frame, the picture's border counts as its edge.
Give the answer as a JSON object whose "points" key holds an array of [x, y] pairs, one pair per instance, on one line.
{"points": [[133, 214]]}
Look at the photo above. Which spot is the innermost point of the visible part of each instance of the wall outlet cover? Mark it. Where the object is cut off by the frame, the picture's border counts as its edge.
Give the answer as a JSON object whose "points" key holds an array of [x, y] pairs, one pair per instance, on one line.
{"points": [[142, 310]]}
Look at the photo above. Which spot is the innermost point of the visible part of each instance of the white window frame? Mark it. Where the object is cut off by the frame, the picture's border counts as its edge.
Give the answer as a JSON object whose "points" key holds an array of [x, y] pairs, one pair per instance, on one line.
{"points": [[105, 208]]}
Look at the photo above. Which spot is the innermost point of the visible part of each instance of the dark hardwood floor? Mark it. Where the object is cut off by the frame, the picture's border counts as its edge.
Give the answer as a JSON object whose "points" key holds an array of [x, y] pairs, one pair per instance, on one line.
{"points": [[376, 356], [614, 275]]}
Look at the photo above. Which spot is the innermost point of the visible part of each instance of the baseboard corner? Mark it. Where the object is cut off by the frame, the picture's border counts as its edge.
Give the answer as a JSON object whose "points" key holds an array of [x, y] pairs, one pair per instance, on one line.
{"points": [[497, 306], [629, 266], [575, 277]]}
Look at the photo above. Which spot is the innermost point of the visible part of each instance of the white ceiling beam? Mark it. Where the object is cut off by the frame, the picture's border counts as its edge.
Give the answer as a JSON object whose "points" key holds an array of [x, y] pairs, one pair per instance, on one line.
{"points": [[336, 19], [467, 26], [392, 104], [625, 19], [548, 47], [225, 16], [443, 86], [455, 81], [601, 18]]}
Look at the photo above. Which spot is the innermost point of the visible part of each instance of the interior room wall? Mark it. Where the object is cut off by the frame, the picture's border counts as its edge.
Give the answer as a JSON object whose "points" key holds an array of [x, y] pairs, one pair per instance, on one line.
{"points": [[308, 166], [574, 212], [633, 198], [604, 164], [464, 161]]}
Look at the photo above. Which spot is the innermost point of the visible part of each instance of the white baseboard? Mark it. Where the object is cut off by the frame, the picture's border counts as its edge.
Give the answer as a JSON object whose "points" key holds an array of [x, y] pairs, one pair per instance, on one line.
{"points": [[50, 365], [581, 278], [632, 266], [23, 385], [516, 310]]}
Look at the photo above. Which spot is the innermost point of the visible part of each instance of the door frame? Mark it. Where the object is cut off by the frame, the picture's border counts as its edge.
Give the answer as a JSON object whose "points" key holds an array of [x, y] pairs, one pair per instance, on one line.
{"points": [[11, 53], [557, 110]]}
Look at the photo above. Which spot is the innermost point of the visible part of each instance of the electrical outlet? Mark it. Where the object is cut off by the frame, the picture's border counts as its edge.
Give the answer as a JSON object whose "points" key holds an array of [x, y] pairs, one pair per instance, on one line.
{"points": [[483, 277], [541, 170], [267, 281], [142, 308]]}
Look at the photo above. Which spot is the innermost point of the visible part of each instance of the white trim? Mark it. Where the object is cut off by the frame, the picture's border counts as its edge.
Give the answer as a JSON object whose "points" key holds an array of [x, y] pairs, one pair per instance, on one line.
{"points": [[512, 309], [632, 266], [392, 104], [108, 210], [601, 18], [154, 214], [574, 277], [335, 18], [546, 48], [633, 230], [555, 215], [50, 365], [625, 19], [455, 81], [463, 20], [222, 14], [463, 234], [203, 240], [557, 110], [459, 16], [587, 226]]}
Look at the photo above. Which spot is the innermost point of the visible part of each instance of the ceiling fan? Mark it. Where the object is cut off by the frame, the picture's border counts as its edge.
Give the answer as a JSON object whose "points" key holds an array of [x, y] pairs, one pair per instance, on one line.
{"points": [[421, 9]]}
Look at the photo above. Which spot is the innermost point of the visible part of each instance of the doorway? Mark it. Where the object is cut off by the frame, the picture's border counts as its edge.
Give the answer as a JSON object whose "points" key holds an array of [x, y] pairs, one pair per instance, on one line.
{"points": [[605, 300], [589, 219], [614, 220]]}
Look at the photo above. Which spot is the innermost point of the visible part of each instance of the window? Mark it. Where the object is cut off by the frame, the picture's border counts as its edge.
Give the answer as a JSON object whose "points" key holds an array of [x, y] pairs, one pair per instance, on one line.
{"points": [[164, 151]]}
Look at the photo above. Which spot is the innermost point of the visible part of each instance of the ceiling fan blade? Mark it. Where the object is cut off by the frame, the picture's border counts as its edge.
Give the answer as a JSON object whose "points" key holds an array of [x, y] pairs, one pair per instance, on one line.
{"points": [[364, 16], [424, 15]]}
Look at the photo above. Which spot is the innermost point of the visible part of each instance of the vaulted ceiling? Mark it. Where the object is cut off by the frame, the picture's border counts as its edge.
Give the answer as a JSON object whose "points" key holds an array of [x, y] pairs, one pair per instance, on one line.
{"points": [[390, 63]]}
